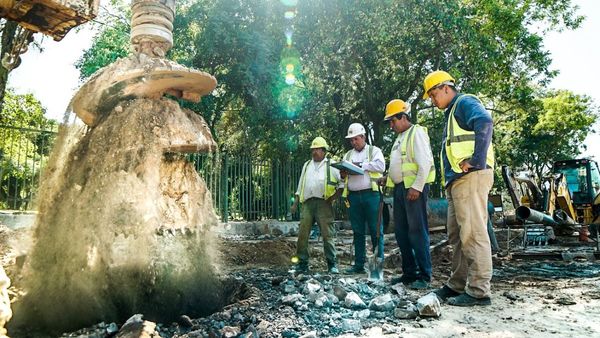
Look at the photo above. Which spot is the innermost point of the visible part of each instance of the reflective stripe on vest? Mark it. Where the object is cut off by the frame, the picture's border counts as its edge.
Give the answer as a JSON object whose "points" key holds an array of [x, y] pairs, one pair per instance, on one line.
{"points": [[410, 168], [460, 143], [331, 181], [373, 176]]}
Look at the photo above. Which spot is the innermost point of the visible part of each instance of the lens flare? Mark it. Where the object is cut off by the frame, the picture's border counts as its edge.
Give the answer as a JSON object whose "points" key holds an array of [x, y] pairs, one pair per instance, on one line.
{"points": [[289, 68], [289, 15], [289, 3], [295, 259], [290, 79]]}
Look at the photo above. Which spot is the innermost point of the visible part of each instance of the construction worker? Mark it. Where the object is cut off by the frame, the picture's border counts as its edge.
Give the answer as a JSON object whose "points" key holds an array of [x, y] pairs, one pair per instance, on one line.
{"points": [[362, 194], [467, 160], [410, 173], [319, 186]]}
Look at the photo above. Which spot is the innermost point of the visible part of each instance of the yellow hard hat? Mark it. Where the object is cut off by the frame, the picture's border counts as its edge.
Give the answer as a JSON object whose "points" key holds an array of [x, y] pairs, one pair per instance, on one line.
{"points": [[394, 107], [436, 78], [319, 142]]}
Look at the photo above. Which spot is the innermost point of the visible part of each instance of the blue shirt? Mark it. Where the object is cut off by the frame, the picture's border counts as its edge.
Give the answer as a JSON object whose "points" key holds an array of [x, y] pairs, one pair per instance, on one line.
{"points": [[472, 116]]}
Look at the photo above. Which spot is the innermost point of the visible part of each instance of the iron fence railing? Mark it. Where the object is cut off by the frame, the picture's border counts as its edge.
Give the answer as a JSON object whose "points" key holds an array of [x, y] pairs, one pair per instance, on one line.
{"points": [[242, 187], [23, 155], [249, 189]]}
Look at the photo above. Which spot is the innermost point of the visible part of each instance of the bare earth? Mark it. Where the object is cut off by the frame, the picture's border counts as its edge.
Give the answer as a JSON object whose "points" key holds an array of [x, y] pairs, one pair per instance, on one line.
{"points": [[530, 298]]}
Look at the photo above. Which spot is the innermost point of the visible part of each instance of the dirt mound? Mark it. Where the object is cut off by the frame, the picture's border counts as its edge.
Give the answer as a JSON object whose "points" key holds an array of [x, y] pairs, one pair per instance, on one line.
{"points": [[123, 227]]}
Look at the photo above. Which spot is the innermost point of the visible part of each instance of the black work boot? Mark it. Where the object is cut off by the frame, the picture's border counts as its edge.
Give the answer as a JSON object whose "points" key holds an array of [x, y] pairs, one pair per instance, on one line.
{"points": [[445, 292], [467, 300], [301, 268], [406, 280], [356, 269]]}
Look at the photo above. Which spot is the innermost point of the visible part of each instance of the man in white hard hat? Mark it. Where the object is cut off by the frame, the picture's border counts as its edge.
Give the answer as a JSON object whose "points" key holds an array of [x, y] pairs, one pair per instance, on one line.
{"points": [[363, 195], [319, 186], [467, 162]]}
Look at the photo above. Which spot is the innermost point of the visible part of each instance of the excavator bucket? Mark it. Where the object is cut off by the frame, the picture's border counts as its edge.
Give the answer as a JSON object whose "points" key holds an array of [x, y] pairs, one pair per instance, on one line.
{"points": [[51, 17]]}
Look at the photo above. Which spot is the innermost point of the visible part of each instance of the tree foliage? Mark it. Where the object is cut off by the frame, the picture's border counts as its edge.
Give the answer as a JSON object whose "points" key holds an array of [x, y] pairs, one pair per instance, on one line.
{"points": [[24, 145], [110, 43], [351, 57], [552, 128]]}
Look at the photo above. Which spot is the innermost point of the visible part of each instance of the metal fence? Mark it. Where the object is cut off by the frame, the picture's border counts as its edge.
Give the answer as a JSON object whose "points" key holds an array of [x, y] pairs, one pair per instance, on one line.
{"points": [[242, 187], [245, 188], [23, 155]]}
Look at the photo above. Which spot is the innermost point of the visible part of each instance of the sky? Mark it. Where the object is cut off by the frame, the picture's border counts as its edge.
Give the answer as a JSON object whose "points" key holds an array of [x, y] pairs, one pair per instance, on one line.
{"points": [[51, 76]]}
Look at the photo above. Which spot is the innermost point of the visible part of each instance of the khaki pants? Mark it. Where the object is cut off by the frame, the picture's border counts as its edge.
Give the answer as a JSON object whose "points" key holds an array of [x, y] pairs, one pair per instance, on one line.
{"points": [[467, 233], [316, 209]]}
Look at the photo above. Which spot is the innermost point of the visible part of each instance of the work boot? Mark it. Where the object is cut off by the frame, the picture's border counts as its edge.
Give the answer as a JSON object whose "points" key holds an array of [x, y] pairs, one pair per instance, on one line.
{"points": [[404, 279], [356, 269], [466, 300], [445, 292], [301, 268], [419, 284], [333, 269]]}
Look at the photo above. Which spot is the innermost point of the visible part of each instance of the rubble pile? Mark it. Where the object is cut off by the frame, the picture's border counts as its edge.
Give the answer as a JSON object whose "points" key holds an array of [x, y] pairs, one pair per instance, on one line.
{"points": [[277, 303]]}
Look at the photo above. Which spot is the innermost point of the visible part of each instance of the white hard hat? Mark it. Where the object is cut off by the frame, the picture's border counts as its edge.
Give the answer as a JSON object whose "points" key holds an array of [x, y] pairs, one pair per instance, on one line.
{"points": [[356, 129]]}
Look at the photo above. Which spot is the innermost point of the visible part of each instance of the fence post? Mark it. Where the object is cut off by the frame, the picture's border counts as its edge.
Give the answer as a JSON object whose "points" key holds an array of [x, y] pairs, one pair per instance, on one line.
{"points": [[276, 189], [224, 189]]}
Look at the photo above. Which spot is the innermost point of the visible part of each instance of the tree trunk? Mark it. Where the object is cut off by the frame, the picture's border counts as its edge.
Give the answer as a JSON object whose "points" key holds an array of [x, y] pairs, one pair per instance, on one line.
{"points": [[7, 42]]}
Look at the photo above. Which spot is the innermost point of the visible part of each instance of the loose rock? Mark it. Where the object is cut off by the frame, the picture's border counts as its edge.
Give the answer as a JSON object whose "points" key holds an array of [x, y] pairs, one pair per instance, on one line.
{"points": [[363, 314], [382, 303], [351, 325], [339, 292], [409, 311], [353, 301], [429, 305]]}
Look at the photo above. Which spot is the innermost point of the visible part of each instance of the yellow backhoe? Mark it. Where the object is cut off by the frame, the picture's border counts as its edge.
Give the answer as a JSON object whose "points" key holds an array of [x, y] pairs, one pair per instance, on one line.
{"points": [[567, 203]]}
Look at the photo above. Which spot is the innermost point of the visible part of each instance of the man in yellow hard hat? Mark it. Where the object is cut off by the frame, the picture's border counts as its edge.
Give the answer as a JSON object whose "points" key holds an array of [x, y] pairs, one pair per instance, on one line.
{"points": [[319, 186], [467, 161], [411, 171], [363, 195]]}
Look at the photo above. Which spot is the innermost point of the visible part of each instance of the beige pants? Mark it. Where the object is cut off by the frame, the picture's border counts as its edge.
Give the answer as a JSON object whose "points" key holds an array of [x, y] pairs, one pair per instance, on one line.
{"points": [[467, 233]]}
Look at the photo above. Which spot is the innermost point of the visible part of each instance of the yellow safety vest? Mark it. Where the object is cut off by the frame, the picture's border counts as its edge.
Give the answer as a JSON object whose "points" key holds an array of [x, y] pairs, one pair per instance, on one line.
{"points": [[460, 143], [373, 175], [331, 182], [409, 166]]}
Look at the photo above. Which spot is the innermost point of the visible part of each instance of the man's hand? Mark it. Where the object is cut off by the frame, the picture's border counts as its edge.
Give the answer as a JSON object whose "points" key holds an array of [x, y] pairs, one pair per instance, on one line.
{"points": [[465, 166], [294, 207], [343, 174], [412, 194], [382, 181]]}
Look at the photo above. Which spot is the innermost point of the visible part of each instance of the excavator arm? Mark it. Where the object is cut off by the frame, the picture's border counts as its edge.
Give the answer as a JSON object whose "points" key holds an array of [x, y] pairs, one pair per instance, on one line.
{"points": [[51, 17]]}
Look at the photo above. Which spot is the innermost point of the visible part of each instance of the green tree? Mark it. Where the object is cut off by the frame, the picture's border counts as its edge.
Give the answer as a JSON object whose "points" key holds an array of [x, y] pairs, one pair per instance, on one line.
{"points": [[354, 56], [24, 147], [552, 128], [13, 41], [364, 53], [110, 43]]}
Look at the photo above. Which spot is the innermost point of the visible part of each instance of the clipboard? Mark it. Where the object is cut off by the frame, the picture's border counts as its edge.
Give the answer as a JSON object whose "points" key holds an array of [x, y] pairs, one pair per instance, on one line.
{"points": [[349, 167]]}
